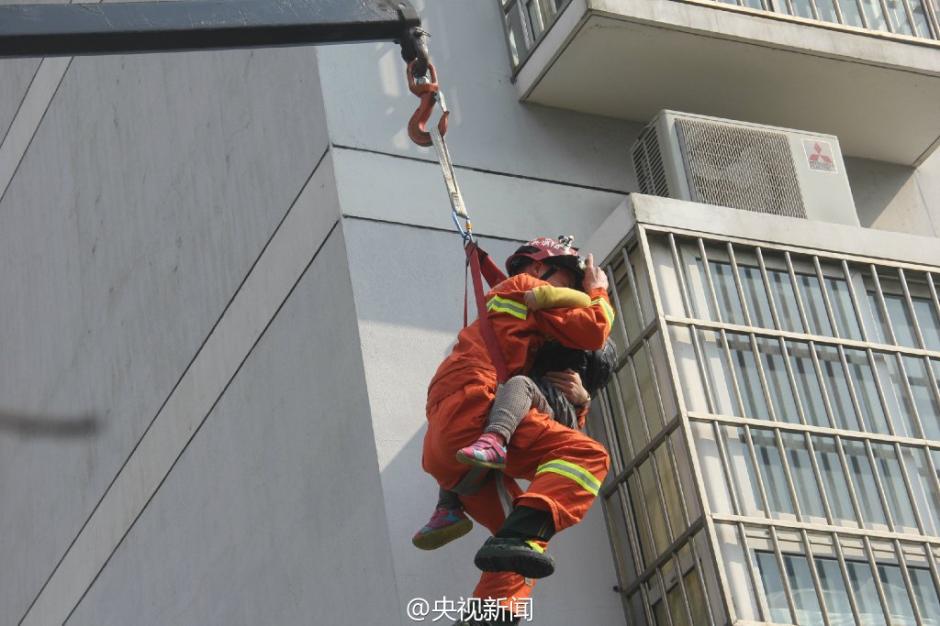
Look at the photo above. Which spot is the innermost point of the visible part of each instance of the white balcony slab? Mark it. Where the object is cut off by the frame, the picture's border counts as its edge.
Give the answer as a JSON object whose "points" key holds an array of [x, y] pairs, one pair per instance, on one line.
{"points": [[880, 94]]}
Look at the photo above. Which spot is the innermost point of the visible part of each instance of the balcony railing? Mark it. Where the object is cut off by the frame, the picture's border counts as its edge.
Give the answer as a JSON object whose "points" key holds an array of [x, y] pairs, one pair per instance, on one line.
{"points": [[527, 20], [914, 18]]}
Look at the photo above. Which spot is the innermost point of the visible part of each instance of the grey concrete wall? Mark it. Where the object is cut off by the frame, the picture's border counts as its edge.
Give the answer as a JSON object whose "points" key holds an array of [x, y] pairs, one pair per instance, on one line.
{"points": [[273, 515], [137, 210], [895, 197], [17, 74], [410, 308]]}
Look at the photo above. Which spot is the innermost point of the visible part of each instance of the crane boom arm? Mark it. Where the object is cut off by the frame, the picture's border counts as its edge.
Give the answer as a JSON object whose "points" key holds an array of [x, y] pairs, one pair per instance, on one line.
{"points": [[33, 30]]}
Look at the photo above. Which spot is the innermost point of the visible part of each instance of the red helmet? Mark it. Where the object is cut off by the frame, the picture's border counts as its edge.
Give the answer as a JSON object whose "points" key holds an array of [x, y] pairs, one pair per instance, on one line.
{"points": [[557, 252]]}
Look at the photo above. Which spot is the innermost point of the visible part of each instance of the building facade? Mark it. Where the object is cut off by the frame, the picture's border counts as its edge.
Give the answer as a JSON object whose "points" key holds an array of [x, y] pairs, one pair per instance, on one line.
{"points": [[227, 278]]}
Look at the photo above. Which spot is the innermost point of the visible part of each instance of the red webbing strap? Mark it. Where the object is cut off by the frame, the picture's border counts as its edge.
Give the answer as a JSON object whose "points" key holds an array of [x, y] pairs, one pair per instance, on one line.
{"points": [[486, 329], [491, 272], [466, 281]]}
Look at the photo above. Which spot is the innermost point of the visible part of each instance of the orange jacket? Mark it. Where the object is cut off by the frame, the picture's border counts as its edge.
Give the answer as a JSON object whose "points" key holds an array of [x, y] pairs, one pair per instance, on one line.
{"points": [[520, 333]]}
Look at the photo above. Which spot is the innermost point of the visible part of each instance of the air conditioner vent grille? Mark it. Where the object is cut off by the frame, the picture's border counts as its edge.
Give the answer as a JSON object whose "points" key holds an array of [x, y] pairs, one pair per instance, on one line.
{"points": [[648, 163], [740, 167]]}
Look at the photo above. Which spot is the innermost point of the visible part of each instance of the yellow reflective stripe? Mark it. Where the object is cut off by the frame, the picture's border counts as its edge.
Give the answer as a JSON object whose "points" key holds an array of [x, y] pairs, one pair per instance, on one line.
{"points": [[535, 546], [510, 307], [606, 309], [570, 470]]}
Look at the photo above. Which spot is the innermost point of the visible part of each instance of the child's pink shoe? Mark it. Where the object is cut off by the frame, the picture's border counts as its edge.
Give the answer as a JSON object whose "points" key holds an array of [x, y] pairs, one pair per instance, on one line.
{"points": [[445, 526], [487, 451]]}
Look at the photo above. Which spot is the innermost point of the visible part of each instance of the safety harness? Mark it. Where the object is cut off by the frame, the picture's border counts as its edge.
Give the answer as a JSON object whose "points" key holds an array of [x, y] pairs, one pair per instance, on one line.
{"points": [[479, 265]]}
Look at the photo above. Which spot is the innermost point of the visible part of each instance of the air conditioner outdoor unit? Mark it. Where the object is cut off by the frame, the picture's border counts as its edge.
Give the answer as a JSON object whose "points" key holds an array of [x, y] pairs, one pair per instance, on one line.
{"points": [[744, 166]]}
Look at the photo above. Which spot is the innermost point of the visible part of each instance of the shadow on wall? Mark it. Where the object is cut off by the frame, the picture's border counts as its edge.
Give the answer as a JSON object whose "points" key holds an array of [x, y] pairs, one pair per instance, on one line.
{"points": [[48, 427], [889, 197]]}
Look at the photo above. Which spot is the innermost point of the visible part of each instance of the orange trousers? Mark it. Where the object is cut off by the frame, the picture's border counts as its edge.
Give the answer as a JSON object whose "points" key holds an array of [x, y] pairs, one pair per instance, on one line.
{"points": [[565, 467]]}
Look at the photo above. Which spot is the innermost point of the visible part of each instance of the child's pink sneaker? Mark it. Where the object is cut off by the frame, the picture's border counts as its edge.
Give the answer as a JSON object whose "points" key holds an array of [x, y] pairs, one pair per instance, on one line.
{"points": [[487, 451], [444, 526]]}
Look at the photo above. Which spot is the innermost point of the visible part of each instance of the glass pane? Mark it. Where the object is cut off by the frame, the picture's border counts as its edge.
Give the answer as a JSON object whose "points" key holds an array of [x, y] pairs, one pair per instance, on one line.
{"points": [[901, 321], [654, 507], [807, 383], [800, 579], [772, 472], [924, 396], [827, 11], [899, 17], [866, 593], [682, 460], [925, 488], [899, 401], [834, 480], [627, 306], [920, 18], [778, 381], [804, 479], [637, 609], [866, 391], [667, 478], [644, 374], [719, 377], [627, 567], [874, 14], [850, 13], [926, 593], [842, 308], [899, 603], [657, 352], [814, 305], [773, 587], [804, 593], [729, 304], [784, 298], [742, 472], [693, 590], [756, 295], [596, 426], [620, 419], [927, 320], [535, 17], [635, 425], [837, 385], [803, 8], [834, 591], [863, 479], [677, 607], [518, 42], [748, 378], [895, 491], [638, 506]]}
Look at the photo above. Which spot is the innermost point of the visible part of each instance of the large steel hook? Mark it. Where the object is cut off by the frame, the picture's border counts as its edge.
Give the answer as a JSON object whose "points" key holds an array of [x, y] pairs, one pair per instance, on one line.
{"points": [[429, 92]]}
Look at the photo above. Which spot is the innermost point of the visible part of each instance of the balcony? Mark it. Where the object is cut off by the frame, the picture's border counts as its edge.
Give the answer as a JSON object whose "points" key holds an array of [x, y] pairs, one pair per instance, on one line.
{"points": [[867, 71]]}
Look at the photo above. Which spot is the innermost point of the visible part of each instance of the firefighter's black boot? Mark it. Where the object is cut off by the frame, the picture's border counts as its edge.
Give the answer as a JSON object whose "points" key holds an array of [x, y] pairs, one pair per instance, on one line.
{"points": [[519, 546]]}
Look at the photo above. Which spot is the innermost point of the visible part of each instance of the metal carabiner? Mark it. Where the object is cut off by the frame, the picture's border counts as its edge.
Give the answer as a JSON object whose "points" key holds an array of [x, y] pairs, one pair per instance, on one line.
{"points": [[428, 91]]}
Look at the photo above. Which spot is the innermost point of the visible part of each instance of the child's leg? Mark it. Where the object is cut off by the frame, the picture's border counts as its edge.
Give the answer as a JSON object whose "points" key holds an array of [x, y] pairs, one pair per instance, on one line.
{"points": [[448, 522], [514, 399]]}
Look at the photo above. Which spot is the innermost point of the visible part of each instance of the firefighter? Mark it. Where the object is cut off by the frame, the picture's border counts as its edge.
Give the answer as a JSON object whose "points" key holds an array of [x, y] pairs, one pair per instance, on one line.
{"points": [[565, 467]]}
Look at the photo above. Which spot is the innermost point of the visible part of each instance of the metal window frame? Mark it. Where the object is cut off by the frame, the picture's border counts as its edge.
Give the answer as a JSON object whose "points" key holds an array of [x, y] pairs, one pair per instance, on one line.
{"points": [[649, 243]]}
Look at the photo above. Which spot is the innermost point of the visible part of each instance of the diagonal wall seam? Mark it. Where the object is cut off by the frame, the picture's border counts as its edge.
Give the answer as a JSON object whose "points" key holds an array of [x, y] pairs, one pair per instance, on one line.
{"points": [[252, 309]]}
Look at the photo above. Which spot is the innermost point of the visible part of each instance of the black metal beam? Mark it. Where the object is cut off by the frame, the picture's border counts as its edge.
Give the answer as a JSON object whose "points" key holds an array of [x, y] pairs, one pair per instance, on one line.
{"points": [[31, 30]]}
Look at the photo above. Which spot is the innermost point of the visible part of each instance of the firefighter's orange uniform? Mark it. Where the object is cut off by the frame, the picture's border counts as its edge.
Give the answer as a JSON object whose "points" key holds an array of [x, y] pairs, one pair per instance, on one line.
{"points": [[566, 467]]}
